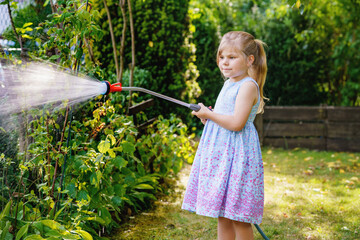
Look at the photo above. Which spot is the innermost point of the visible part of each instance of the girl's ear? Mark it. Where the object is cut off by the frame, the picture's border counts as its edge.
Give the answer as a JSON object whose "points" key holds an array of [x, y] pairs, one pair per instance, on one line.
{"points": [[250, 60]]}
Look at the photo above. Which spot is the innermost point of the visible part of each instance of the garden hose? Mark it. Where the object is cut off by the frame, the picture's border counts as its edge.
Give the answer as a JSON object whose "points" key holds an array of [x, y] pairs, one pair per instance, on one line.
{"points": [[116, 87]]}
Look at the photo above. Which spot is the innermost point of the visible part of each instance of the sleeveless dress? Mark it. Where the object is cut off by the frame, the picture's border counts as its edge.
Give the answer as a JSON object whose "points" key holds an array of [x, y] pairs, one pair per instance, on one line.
{"points": [[227, 176]]}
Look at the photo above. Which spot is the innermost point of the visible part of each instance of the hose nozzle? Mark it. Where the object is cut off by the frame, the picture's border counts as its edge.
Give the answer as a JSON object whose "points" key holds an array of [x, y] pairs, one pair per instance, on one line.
{"points": [[116, 87]]}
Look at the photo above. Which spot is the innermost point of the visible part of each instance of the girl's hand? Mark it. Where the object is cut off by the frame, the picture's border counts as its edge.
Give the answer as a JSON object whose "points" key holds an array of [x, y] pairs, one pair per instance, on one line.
{"points": [[203, 120], [203, 113]]}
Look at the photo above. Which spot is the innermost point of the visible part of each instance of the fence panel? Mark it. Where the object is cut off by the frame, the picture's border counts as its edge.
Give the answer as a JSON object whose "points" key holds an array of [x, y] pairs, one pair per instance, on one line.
{"points": [[322, 128]]}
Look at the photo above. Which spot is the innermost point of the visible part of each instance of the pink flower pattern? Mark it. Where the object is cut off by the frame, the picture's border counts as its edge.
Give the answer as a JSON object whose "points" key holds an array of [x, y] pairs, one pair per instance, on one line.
{"points": [[227, 176]]}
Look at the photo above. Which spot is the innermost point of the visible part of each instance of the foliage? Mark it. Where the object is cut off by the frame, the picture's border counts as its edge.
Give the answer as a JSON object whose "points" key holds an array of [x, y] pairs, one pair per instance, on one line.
{"points": [[311, 56], [25, 20], [70, 33], [86, 170], [206, 38], [161, 44], [109, 172]]}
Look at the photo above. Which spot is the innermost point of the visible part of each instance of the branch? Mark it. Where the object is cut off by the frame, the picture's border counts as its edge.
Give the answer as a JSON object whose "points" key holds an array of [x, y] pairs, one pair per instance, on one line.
{"points": [[112, 38], [122, 47], [131, 81], [91, 53], [132, 45], [53, 9]]}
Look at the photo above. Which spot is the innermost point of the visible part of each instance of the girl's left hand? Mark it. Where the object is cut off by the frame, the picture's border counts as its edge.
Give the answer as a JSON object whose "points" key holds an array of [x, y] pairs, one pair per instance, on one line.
{"points": [[203, 113]]}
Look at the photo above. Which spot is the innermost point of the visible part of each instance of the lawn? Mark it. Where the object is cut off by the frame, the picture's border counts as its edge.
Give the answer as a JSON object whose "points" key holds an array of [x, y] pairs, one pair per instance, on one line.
{"points": [[308, 195]]}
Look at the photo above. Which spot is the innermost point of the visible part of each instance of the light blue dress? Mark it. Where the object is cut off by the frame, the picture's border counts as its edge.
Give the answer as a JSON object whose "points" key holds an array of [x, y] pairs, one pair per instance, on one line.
{"points": [[227, 176]]}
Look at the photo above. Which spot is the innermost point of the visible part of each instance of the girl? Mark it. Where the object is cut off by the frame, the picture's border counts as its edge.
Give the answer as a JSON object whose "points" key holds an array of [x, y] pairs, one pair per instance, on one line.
{"points": [[226, 179]]}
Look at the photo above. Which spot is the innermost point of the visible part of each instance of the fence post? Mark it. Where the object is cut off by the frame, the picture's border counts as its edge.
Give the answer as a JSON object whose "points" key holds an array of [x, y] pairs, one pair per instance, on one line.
{"points": [[324, 115]]}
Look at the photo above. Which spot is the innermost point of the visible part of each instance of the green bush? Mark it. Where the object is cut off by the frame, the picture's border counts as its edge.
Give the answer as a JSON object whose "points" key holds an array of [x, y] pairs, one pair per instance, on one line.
{"points": [[109, 171], [76, 182], [161, 46]]}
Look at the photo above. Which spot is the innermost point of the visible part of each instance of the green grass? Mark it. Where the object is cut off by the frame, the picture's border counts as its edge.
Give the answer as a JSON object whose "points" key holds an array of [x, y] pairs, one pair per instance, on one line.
{"points": [[308, 195]]}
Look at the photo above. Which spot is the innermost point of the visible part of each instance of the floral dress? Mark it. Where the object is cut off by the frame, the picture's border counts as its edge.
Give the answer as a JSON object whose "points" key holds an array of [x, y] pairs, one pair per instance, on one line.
{"points": [[227, 176]]}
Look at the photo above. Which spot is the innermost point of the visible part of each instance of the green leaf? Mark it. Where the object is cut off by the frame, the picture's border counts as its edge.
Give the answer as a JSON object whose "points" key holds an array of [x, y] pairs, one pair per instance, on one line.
{"points": [[119, 189], [59, 212], [26, 36], [46, 3], [128, 147], [141, 170], [5, 230], [112, 138], [34, 237], [83, 195], [104, 146], [117, 201], [6, 210], [144, 186], [105, 214], [111, 153], [96, 219], [53, 233], [23, 230], [119, 162], [95, 178], [72, 189], [69, 236], [142, 195], [27, 24], [85, 235], [54, 57], [5, 2], [53, 224], [14, 5], [291, 2], [39, 226]]}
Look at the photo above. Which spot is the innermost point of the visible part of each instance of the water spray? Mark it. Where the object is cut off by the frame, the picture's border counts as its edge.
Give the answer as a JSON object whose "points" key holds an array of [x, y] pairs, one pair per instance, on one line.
{"points": [[117, 87], [38, 84]]}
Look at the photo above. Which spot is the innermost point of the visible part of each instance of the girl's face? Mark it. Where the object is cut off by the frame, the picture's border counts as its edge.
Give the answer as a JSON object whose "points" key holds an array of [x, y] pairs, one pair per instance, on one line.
{"points": [[233, 64]]}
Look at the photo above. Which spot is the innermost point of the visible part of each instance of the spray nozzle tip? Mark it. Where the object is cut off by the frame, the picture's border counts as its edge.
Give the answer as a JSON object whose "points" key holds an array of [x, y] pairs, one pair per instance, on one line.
{"points": [[106, 89]]}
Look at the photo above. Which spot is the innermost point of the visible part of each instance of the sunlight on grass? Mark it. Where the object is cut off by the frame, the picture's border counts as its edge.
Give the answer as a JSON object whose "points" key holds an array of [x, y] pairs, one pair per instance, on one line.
{"points": [[311, 195], [308, 195]]}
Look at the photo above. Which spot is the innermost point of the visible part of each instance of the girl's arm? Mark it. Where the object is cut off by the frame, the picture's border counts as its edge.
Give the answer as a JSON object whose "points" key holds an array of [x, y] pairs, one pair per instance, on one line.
{"points": [[245, 100]]}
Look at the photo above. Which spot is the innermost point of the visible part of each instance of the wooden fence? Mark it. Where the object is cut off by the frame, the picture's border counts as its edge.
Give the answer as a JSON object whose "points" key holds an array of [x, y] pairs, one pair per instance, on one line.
{"points": [[322, 128]]}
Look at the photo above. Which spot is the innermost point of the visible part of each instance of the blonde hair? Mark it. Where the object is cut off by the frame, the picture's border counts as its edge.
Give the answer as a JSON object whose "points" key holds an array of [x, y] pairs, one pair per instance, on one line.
{"points": [[246, 43]]}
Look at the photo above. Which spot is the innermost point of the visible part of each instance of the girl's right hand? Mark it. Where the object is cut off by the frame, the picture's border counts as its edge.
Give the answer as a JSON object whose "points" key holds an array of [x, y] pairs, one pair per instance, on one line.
{"points": [[204, 120]]}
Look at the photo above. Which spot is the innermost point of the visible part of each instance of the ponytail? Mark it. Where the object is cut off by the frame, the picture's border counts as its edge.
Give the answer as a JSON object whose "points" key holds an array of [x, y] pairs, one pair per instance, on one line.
{"points": [[260, 69]]}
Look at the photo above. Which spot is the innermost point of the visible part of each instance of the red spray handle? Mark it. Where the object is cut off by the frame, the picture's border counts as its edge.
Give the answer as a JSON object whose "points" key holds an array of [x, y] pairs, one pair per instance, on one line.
{"points": [[116, 87]]}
